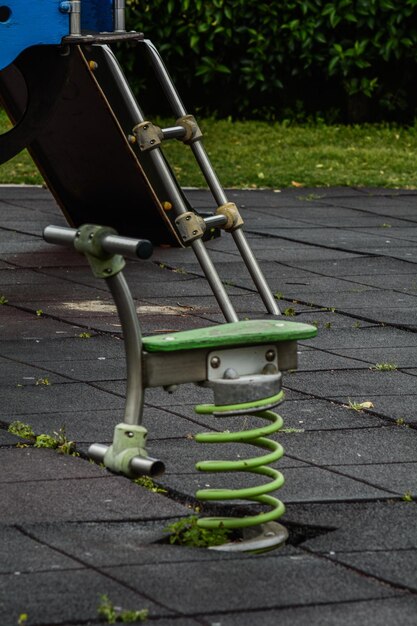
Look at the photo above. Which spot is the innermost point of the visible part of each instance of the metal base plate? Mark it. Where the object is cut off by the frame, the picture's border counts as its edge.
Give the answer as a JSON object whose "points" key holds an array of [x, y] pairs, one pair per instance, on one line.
{"points": [[257, 539]]}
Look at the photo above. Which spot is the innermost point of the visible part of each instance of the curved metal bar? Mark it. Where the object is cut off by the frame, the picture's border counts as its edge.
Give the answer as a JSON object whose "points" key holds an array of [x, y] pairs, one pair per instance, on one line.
{"points": [[133, 347]]}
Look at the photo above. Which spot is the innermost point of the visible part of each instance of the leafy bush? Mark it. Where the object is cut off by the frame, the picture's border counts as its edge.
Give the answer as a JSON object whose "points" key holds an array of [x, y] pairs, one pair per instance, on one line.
{"points": [[350, 59]]}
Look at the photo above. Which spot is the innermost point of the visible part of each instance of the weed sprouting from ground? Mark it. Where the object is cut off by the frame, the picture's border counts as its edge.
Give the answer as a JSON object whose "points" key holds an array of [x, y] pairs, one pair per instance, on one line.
{"points": [[112, 614], [57, 441], [186, 532]]}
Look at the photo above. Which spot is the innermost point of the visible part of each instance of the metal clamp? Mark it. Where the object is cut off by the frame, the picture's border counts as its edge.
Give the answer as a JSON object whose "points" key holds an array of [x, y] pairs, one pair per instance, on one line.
{"points": [[148, 135], [127, 455], [191, 226], [231, 212], [88, 240], [192, 129]]}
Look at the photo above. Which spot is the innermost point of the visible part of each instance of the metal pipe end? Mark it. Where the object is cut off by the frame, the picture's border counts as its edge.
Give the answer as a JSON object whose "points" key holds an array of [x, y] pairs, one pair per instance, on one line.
{"points": [[148, 466], [97, 451]]}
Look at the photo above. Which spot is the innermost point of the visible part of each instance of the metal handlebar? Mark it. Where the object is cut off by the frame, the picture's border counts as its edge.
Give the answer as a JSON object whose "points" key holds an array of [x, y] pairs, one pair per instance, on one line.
{"points": [[113, 244]]}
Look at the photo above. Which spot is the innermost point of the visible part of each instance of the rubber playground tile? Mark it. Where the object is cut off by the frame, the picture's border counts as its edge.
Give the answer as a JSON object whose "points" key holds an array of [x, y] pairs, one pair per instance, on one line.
{"points": [[329, 320], [100, 368], [364, 338], [312, 414], [359, 265], [19, 325], [55, 291], [43, 258], [400, 609], [394, 567], [66, 598], [264, 583], [314, 360], [402, 358], [357, 526], [399, 477], [21, 554], [353, 384], [44, 399], [112, 544], [64, 346], [305, 253], [13, 374], [405, 283], [399, 409], [354, 446], [405, 317], [20, 465], [97, 498]]}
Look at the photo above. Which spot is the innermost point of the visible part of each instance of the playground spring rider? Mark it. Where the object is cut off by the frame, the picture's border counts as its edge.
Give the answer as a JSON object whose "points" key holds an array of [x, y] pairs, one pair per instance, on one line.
{"points": [[78, 98], [241, 362]]}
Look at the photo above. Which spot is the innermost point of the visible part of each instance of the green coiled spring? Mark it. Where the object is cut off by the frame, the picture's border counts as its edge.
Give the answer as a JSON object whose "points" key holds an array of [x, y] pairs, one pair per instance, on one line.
{"points": [[258, 465]]}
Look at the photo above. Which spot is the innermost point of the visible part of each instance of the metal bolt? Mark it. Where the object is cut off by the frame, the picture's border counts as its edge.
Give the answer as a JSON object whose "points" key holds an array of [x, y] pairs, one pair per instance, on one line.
{"points": [[215, 362], [195, 232], [129, 434], [131, 138], [108, 270], [91, 236], [146, 127], [230, 374], [187, 219], [78, 233], [270, 355], [152, 141]]}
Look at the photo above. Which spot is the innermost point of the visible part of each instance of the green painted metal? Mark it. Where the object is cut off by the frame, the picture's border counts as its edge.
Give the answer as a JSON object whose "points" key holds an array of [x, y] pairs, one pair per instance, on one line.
{"points": [[257, 465], [129, 441], [248, 332]]}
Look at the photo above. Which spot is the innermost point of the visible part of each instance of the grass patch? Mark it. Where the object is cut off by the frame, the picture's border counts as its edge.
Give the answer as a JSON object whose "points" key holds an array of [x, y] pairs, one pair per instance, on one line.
{"points": [[276, 155]]}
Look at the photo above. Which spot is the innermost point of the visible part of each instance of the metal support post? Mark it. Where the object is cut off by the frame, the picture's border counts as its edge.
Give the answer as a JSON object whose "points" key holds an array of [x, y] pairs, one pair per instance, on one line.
{"points": [[119, 16], [75, 18]]}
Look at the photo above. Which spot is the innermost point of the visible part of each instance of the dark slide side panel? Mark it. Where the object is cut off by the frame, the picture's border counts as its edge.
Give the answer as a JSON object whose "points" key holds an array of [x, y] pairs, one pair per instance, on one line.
{"points": [[86, 160]]}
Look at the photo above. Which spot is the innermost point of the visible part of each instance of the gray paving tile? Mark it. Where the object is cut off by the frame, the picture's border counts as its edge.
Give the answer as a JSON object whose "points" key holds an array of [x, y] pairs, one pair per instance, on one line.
{"points": [[357, 526], [64, 598], [354, 447], [358, 266], [108, 544], [399, 477], [405, 357], [312, 414], [96, 496], [20, 554], [372, 613], [395, 567], [14, 375], [393, 407], [261, 584], [31, 464], [353, 383], [364, 338], [41, 399]]}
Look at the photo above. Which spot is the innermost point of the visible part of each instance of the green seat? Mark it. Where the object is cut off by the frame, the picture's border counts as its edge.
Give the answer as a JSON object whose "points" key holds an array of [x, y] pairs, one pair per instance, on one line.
{"points": [[245, 333]]}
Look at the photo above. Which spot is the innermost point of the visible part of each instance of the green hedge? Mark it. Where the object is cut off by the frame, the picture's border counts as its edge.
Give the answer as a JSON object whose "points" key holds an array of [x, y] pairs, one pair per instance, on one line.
{"points": [[345, 60]]}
